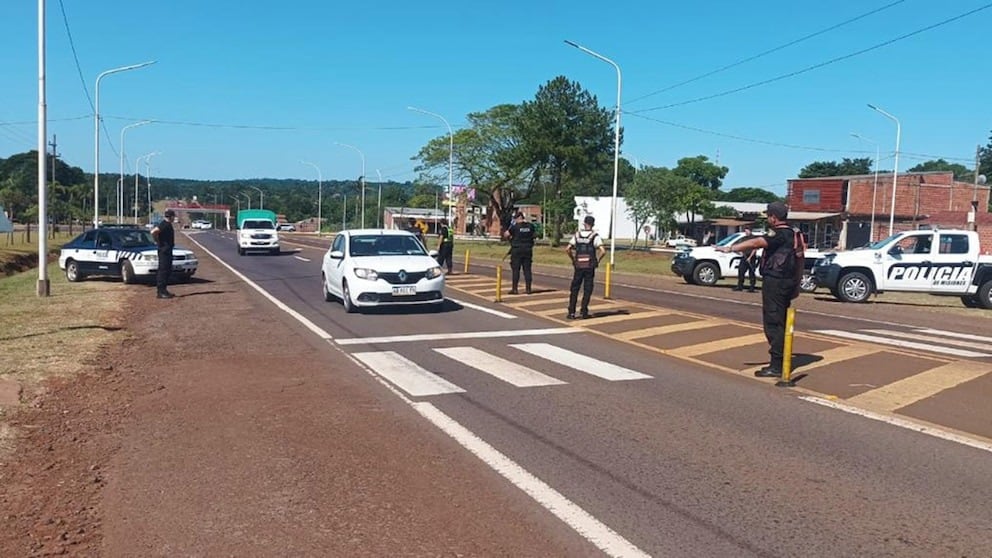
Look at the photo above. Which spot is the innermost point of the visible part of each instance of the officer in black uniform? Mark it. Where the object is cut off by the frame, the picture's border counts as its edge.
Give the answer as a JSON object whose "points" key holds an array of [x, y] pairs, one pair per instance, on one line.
{"points": [[446, 245], [165, 238], [521, 236], [747, 265], [778, 281]]}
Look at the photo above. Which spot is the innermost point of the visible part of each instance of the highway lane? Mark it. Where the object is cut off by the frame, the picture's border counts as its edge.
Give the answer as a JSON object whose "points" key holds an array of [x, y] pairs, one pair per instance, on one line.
{"points": [[674, 457]]}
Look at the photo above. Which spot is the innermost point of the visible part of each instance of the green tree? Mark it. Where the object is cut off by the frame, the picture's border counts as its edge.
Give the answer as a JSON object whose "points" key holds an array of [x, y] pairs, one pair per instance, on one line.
{"points": [[565, 139], [960, 171], [748, 195], [701, 171], [845, 167], [641, 197]]}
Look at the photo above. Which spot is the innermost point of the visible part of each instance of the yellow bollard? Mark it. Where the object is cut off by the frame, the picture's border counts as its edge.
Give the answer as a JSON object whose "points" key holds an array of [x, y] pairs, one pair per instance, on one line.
{"points": [[790, 327], [467, 253], [609, 275], [499, 284]]}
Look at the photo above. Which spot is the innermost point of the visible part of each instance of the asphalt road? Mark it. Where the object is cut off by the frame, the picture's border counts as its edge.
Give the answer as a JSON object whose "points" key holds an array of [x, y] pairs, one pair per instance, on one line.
{"points": [[643, 446]]}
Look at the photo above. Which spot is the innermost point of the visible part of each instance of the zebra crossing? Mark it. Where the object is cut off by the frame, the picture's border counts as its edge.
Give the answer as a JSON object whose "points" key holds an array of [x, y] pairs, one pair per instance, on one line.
{"points": [[418, 381], [922, 339]]}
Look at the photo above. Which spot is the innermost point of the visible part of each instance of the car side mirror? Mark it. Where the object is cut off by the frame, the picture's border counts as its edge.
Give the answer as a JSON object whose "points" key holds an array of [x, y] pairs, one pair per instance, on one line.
{"points": [[895, 251], [336, 255]]}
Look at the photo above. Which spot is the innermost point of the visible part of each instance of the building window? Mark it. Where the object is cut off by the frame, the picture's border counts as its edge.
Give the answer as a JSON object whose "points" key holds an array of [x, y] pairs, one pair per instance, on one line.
{"points": [[811, 197]]}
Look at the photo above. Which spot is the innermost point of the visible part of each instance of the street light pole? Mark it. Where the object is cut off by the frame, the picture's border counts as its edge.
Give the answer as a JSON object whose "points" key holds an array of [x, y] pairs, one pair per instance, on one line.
{"points": [[451, 153], [120, 191], [96, 135], [248, 197], [320, 194], [874, 188], [148, 181], [616, 147], [378, 203], [362, 184], [43, 286], [261, 197], [895, 170]]}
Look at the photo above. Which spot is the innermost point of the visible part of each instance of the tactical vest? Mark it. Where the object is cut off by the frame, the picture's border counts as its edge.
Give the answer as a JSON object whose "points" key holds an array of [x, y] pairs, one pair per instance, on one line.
{"points": [[523, 236]]}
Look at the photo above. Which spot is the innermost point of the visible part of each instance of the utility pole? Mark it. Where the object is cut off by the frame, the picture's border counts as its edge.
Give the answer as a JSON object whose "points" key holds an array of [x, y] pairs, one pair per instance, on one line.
{"points": [[973, 225], [55, 155]]}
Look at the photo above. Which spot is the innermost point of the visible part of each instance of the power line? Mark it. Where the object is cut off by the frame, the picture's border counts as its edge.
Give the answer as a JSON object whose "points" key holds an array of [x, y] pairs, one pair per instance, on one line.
{"points": [[818, 66], [75, 57], [275, 128], [767, 52]]}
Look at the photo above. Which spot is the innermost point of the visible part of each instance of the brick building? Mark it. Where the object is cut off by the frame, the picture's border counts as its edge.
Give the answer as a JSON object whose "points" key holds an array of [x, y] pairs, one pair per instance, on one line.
{"points": [[837, 211]]}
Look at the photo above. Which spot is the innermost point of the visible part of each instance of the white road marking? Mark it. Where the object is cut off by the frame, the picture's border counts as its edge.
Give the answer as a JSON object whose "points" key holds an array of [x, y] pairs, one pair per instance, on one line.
{"points": [[482, 309], [590, 528], [899, 343], [930, 338], [508, 371], [302, 259], [902, 423], [299, 317], [406, 374], [941, 332], [460, 335], [589, 365]]}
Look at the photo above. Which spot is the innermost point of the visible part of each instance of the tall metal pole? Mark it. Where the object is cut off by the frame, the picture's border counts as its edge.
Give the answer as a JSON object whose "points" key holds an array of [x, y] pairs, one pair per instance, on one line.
{"points": [[320, 194], [451, 153], [378, 203], [96, 136], [362, 182], [148, 181], [895, 170], [120, 191], [261, 197], [616, 147], [248, 197], [42, 288]]}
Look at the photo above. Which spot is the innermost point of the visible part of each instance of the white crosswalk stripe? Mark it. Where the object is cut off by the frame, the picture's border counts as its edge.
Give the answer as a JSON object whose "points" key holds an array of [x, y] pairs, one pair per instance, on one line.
{"points": [[406, 374], [930, 338], [498, 367], [941, 332], [589, 365], [891, 337]]}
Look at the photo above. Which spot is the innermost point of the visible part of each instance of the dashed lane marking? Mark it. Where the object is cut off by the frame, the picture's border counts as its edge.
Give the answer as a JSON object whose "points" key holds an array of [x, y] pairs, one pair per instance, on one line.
{"points": [[944, 333], [483, 309], [498, 367], [920, 386], [459, 335]]}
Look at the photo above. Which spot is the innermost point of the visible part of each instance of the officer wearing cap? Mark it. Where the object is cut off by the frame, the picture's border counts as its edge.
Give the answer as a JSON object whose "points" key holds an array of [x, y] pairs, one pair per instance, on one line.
{"points": [[778, 281], [521, 237], [165, 238]]}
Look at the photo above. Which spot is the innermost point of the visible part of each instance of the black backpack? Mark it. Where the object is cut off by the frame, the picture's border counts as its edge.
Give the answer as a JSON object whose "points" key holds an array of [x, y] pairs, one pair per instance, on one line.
{"points": [[585, 252]]}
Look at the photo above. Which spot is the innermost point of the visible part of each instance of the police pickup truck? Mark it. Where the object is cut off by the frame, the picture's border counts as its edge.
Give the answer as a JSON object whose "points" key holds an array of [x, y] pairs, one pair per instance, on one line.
{"points": [[704, 265], [938, 262]]}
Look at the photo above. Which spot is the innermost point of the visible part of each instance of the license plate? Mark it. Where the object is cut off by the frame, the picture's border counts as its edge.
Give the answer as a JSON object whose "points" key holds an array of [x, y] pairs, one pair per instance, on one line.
{"points": [[405, 290]]}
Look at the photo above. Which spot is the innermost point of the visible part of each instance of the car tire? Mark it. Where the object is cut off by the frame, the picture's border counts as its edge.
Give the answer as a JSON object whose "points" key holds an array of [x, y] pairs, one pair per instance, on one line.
{"points": [[854, 287], [984, 295], [807, 284], [328, 297], [349, 306], [127, 273], [72, 273], [971, 301], [706, 274], [274, 252], [688, 279], [241, 251]]}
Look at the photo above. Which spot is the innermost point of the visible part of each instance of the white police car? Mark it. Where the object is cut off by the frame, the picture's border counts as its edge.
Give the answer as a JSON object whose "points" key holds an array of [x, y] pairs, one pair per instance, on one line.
{"points": [[127, 252]]}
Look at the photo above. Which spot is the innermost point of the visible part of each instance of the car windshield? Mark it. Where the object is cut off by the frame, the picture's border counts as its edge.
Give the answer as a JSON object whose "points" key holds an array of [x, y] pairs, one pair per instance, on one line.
{"points": [[386, 245], [729, 239], [257, 224], [879, 244], [136, 238]]}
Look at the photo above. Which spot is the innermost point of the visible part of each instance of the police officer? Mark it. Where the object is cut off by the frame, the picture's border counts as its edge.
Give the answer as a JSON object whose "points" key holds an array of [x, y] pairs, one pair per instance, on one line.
{"points": [[521, 236], [165, 238], [747, 265], [585, 249], [778, 281], [446, 245], [415, 230]]}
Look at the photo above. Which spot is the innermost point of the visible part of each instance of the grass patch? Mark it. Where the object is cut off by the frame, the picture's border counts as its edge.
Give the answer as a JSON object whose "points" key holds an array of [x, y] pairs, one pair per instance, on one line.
{"points": [[56, 335], [626, 261]]}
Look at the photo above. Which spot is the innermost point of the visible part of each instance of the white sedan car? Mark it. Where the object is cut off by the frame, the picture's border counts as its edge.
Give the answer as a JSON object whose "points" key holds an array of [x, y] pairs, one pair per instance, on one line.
{"points": [[380, 267]]}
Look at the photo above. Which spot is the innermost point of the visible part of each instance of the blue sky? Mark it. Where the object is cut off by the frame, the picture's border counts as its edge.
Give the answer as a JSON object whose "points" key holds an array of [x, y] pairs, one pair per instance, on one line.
{"points": [[246, 89]]}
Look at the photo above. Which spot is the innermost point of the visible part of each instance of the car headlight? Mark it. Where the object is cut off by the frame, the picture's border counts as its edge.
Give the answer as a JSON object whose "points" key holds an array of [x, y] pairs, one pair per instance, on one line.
{"points": [[367, 274], [433, 272], [150, 257]]}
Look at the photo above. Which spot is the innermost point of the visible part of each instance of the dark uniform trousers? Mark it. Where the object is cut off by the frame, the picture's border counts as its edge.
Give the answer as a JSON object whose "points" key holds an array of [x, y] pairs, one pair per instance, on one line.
{"points": [[164, 269], [444, 254], [776, 297], [584, 278], [746, 267], [520, 258]]}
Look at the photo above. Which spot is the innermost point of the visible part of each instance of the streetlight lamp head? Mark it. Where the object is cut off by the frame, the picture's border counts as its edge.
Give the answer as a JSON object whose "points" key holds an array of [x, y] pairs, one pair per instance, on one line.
{"points": [[570, 43], [872, 107], [981, 179]]}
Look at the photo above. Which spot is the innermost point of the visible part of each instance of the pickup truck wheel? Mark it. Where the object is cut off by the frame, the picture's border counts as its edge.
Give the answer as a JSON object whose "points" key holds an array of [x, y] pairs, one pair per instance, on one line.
{"points": [[971, 301], [706, 274], [854, 287], [807, 284], [984, 295]]}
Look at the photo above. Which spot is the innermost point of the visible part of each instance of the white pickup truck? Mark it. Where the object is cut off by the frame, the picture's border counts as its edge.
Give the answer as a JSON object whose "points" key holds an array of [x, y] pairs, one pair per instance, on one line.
{"points": [[938, 262], [704, 265]]}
